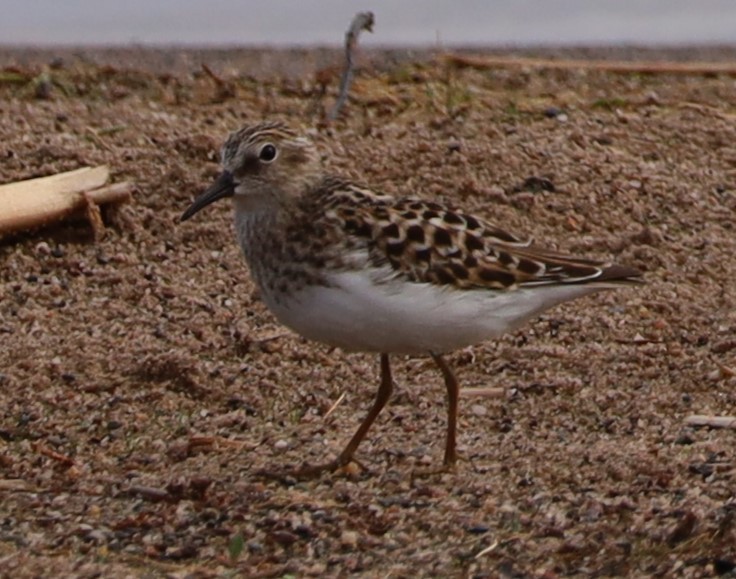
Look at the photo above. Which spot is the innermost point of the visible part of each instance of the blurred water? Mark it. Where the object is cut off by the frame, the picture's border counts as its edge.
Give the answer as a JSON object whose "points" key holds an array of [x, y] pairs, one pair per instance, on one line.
{"points": [[398, 22]]}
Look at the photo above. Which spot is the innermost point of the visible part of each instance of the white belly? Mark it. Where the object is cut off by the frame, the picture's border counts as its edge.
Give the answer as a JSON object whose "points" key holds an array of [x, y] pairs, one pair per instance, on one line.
{"points": [[403, 317]]}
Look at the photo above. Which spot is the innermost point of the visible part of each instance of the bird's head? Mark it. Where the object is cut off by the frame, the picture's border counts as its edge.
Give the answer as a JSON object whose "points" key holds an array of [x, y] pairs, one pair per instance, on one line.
{"points": [[264, 166]]}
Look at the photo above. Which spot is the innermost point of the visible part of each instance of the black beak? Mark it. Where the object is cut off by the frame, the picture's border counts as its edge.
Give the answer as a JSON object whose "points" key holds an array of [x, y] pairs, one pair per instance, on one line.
{"points": [[224, 186]]}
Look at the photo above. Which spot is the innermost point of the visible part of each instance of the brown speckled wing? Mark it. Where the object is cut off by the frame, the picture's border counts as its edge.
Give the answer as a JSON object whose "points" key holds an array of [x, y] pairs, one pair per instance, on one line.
{"points": [[429, 242]]}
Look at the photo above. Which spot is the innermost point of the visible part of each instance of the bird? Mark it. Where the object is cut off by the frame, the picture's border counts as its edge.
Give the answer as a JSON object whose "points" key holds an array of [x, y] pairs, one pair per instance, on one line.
{"points": [[341, 263]]}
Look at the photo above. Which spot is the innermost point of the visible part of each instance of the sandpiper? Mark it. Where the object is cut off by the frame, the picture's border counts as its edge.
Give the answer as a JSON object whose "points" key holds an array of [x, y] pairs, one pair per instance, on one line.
{"points": [[343, 264]]}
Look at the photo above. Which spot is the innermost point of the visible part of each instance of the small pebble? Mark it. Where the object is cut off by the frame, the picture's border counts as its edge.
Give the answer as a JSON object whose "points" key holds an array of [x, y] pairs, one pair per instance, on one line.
{"points": [[43, 248], [281, 444], [254, 547], [479, 410], [98, 536], [349, 539], [454, 146], [478, 529]]}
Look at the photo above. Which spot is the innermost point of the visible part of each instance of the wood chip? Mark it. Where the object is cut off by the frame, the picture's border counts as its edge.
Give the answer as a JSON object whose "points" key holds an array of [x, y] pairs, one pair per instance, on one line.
{"points": [[37, 202], [335, 405], [711, 421], [149, 493], [14, 484], [483, 392], [62, 458], [626, 67]]}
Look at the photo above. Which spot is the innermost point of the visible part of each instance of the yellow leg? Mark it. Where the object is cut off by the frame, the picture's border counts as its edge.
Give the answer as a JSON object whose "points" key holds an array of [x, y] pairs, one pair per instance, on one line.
{"points": [[307, 471], [453, 392]]}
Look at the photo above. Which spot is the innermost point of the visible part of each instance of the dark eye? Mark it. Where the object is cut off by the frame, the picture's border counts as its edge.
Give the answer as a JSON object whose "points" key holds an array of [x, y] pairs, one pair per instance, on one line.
{"points": [[268, 153]]}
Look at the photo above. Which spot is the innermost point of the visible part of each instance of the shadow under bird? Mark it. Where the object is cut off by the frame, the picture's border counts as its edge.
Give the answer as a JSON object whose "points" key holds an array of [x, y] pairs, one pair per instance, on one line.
{"points": [[346, 265]]}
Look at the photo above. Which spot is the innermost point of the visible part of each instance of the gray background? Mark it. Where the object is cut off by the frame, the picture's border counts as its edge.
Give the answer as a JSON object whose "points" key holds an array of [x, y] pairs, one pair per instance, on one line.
{"points": [[399, 22]]}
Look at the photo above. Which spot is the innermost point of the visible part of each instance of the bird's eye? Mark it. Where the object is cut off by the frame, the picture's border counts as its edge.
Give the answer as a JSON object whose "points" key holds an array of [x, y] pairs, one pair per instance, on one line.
{"points": [[268, 153]]}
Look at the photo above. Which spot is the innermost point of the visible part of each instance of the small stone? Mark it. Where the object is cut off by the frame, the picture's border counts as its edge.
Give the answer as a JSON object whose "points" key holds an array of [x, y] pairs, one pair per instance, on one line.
{"points": [[478, 529], [524, 201], [478, 410], [723, 566], [552, 112], [283, 537], [254, 547], [495, 193], [351, 469], [281, 444], [652, 98], [536, 184], [454, 146], [43, 248], [349, 539], [684, 439], [97, 536]]}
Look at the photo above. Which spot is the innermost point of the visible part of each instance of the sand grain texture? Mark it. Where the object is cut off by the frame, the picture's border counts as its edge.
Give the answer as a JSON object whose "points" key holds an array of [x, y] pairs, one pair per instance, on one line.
{"points": [[142, 382]]}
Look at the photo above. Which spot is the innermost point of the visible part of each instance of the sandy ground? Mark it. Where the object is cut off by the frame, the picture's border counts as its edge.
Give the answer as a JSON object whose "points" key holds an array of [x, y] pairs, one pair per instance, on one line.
{"points": [[143, 384]]}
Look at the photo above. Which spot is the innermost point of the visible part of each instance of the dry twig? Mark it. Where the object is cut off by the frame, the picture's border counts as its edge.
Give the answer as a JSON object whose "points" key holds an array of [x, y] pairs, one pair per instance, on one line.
{"points": [[14, 485], [215, 442], [651, 67], [36, 202], [149, 493], [62, 458], [362, 21], [335, 405], [712, 421], [483, 392]]}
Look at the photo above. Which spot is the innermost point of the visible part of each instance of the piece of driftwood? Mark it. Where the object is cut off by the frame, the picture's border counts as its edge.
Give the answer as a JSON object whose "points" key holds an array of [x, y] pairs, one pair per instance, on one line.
{"points": [[362, 21], [37, 202], [711, 421], [483, 392], [617, 66]]}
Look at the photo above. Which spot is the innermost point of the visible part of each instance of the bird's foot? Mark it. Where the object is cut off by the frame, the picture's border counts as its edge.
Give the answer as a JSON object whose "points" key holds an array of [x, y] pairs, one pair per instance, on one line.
{"points": [[449, 466], [433, 471], [349, 467]]}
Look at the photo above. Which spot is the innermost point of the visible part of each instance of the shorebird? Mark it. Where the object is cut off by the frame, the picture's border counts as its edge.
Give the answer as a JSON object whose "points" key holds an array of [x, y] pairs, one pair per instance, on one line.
{"points": [[343, 264]]}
